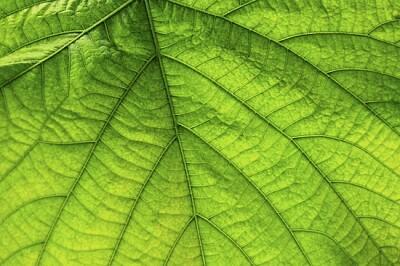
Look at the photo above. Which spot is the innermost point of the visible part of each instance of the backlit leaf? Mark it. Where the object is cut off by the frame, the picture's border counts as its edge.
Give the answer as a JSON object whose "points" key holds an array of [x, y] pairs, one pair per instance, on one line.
{"points": [[199, 132]]}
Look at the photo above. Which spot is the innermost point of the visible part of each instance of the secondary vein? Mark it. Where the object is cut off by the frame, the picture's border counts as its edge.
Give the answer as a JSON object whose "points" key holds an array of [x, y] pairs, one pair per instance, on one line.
{"points": [[89, 156]]}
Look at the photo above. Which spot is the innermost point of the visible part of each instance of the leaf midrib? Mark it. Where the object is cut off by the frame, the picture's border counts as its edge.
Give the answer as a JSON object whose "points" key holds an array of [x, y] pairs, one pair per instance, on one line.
{"points": [[262, 194], [158, 55], [301, 150], [173, 114]]}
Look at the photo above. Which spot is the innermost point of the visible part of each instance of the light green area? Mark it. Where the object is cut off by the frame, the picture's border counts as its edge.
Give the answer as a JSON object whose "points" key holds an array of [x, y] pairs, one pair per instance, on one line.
{"points": [[208, 132]]}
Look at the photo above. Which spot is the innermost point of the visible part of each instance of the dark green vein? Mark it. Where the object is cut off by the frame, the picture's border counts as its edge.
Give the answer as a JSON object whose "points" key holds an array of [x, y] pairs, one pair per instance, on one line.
{"points": [[8, 215], [36, 141], [343, 182], [255, 187], [284, 134], [294, 53], [89, 156], [135, 201], [19, 250], [381, 24], [336, 33], [241, 5], [362, 70], [72, 32], [172, 110], [177, 240], [380, 220], [3, 98], [23, 157], [324, 234], [228, 237], [25, 7], [348, 143], [84, 32]]}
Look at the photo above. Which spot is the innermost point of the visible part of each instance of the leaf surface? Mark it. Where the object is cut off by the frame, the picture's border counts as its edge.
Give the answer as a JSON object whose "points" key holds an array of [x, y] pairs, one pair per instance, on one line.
{"points": [[235, 132]]}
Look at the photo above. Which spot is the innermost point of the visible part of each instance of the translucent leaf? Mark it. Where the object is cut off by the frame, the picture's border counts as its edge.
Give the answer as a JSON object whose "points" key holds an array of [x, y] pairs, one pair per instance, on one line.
{"points": [[199, 132]]}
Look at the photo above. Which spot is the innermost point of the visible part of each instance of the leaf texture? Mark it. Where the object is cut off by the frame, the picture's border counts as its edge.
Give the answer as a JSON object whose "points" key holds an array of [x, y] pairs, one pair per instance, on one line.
{"points": [[199, 132]]}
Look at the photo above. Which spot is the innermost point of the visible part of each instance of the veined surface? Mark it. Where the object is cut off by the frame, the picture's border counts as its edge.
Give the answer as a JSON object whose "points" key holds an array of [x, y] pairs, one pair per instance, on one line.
{"points": [[208, 132]]}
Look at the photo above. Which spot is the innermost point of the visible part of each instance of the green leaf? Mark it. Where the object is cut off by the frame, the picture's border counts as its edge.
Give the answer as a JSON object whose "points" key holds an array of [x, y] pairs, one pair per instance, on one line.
{"points": [[208, 132]]}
